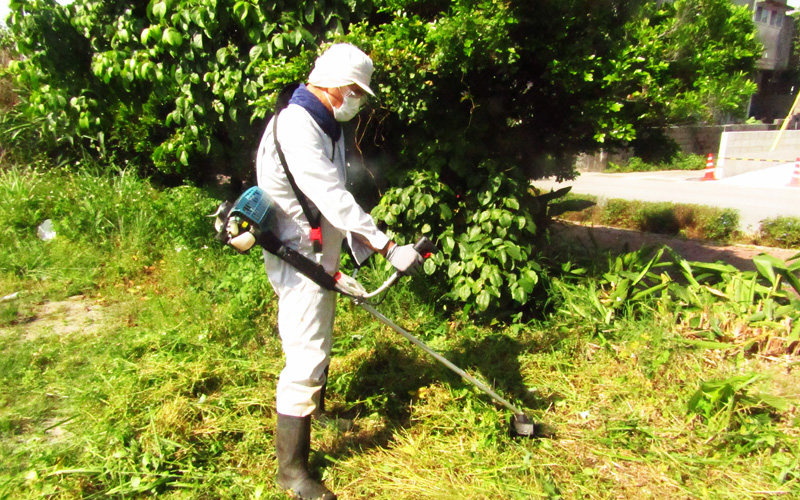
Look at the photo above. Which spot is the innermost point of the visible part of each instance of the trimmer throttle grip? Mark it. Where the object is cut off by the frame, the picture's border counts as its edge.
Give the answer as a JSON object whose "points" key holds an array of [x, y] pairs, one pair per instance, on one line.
{"points": [[425, 247]]}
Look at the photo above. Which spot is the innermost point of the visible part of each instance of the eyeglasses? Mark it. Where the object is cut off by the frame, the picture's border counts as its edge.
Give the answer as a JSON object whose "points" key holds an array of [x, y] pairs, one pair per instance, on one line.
{"points": [[350, 92]]}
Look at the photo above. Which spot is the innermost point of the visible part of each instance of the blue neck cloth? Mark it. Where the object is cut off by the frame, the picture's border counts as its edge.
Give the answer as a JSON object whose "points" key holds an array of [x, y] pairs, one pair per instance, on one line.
{"points": [[324, 118]]}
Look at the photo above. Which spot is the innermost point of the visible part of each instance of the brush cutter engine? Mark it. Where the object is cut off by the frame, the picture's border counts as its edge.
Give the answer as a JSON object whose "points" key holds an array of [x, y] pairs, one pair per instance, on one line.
{"points": [[240, 224]]}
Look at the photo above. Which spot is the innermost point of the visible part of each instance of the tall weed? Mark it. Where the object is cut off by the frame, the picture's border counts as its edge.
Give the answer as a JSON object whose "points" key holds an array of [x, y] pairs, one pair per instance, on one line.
{"points": [[693, 221], [107, 227], [681, 161]]}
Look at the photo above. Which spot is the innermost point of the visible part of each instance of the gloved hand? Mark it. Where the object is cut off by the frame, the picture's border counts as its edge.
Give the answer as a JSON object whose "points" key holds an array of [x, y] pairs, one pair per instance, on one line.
{"points": [[404, 258]]}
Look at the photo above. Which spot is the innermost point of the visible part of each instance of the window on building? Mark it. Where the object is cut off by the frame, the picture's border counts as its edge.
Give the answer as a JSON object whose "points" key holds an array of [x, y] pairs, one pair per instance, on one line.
{"points": [[762, 15]]}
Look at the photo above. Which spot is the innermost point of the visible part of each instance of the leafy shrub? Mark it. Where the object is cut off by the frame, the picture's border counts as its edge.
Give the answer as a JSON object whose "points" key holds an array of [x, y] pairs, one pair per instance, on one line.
{"points": [[179, 85], [719, 224], [486, 234], [780, 232], [688, 162], [635, 164], [716, 302], [8, 97], [656, 218], [681, 161]]}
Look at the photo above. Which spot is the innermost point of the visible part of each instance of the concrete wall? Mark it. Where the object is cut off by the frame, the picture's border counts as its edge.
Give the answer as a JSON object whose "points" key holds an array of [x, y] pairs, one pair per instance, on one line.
{"points": [[599, 161], [738, 149], [703, 140], [696, 140], [742, 152]]}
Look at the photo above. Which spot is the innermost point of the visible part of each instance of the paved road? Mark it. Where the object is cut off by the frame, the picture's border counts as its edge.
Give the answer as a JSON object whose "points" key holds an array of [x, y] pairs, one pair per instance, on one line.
{"points": [[757, 195]]}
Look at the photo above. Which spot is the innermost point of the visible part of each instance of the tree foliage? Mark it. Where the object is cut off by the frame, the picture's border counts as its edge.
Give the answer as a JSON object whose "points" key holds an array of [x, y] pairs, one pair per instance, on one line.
{"points": [[535, 86], [702, 55], [179, 85], [184, 85], [487, 94]]}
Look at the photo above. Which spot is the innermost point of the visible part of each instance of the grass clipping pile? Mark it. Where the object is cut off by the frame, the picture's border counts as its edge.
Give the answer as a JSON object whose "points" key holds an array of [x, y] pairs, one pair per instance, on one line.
{"points": [[734, 334]]}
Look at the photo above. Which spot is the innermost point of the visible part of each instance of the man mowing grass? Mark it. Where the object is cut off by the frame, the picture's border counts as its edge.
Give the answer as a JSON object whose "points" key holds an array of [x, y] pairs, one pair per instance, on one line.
{"points": [[301, 166]]}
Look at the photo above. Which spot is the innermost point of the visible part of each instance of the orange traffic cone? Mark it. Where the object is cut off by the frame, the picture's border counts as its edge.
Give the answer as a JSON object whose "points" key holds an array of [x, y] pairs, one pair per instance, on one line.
{"points": [[709, 173], [795, 182]]}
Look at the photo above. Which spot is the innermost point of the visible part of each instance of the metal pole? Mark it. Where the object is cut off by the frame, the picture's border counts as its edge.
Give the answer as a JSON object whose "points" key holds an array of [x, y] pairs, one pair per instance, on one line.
{"points": [[414, 340]]}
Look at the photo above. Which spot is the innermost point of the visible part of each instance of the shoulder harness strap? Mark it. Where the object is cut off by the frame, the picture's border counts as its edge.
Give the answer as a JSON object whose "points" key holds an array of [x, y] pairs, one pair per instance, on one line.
{"points": [[313, 220]]}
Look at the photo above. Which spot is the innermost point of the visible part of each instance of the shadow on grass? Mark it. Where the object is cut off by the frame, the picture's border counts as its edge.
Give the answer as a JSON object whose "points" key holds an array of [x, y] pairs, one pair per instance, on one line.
{"points": [[383, 383], [494, 360], [386, 382]]}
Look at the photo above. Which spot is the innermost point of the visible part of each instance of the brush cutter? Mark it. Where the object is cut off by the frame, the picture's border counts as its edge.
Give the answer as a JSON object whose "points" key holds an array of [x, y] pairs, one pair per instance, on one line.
{"points": [[246, 223]]}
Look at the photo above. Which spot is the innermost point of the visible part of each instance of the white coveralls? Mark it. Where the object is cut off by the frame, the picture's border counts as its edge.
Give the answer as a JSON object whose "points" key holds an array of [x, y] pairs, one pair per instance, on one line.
{"points": [[305, 310]]}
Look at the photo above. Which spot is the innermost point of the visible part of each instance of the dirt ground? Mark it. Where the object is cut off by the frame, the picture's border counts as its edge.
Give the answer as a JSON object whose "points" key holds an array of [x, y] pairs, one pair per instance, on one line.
{"points": [[77, 315], [607, 238]]}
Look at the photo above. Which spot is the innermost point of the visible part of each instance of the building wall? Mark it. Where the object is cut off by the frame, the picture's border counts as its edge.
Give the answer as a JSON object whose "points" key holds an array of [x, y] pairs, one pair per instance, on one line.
{"points": [[775, 32], [776, 87]]}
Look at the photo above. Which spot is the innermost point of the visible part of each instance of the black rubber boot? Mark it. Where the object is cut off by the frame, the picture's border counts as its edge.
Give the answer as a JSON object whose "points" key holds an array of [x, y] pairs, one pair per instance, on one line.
{"points": [[321, 406], [293, 445]]}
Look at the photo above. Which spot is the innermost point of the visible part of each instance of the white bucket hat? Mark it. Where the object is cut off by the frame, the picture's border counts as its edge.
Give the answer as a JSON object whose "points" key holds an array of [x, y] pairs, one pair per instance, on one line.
{"points": [[342, 65]]}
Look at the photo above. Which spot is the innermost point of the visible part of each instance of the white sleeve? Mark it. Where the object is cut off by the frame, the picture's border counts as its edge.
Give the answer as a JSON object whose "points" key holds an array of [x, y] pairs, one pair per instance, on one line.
{"points": [[305, 147]]}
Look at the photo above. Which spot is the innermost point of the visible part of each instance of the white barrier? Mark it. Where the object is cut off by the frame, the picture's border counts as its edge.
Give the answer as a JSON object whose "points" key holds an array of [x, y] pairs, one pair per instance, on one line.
{"points": [[742, 152]]}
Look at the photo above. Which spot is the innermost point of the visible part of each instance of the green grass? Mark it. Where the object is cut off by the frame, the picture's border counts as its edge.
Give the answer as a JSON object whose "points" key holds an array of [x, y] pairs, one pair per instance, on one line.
{"points": [[161, 379]]}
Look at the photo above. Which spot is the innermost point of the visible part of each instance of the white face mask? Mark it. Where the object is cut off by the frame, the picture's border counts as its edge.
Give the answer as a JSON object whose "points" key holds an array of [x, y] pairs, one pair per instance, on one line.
{"points": [[349, 108]]}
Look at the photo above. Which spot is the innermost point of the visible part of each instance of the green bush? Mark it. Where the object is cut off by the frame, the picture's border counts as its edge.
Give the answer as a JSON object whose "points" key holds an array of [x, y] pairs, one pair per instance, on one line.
{"points": [[693, 221], [635, 164], [486, 235], [681, 161], [688, 162], [780, 232], [657, 218], [181, 86], [719, 224]]}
